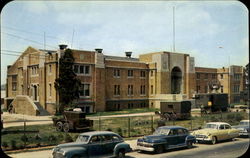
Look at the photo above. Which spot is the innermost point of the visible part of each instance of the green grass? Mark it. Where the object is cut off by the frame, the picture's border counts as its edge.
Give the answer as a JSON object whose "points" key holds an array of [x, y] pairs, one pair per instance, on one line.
{"points": [[125, 111]]}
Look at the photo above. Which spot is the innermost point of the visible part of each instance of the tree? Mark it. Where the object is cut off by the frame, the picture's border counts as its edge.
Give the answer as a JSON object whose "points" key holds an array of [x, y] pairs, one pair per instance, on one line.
{"points": [[67, 84]]}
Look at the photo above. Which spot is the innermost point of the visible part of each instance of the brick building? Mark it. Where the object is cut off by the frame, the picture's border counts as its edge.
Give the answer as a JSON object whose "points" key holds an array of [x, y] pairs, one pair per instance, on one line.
{"points": [[112, 82]]}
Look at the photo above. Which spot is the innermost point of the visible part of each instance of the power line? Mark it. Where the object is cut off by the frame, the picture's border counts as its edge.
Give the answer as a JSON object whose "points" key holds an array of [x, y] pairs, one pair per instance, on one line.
{"points": [[27, 39]]}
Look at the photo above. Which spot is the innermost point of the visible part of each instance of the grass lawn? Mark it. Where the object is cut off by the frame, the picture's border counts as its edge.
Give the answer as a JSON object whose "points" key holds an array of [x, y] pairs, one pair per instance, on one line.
{"points": [[125, 111]]}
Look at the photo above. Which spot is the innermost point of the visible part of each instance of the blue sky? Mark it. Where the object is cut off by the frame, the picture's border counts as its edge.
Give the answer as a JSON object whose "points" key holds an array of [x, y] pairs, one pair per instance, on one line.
{"points": [[214, 32]]}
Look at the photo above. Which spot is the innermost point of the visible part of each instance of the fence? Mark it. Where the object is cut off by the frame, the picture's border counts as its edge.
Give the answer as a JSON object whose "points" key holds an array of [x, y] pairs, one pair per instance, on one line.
{"points": [[132, 126]]}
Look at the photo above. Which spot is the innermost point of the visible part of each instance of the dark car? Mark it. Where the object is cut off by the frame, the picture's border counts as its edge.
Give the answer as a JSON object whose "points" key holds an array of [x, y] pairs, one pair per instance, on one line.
{"points": [[93, 144], [166, 137], [244, 128]]}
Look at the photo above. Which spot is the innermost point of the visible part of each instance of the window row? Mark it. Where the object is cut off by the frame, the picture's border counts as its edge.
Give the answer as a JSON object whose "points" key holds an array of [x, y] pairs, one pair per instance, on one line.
{"points": [[117, 90], [82, 69], [206, 75], [130, 73]]}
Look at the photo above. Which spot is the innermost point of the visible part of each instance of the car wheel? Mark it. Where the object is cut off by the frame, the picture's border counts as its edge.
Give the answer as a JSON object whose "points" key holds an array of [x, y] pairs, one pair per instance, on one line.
{"points": [[189, 144], [214, 140], [121, 154], [66, 127], [59, 126], [159, 149]]}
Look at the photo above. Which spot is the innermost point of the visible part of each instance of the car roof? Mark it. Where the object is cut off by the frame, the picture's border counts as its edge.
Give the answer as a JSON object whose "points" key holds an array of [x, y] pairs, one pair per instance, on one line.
{"points": [[97, 133], [172, 127], [218, 123]]}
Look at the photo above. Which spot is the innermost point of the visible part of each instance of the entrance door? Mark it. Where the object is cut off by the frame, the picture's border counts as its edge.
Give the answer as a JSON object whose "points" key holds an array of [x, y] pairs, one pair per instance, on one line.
{"points": [[176, 77], [35, 92]]}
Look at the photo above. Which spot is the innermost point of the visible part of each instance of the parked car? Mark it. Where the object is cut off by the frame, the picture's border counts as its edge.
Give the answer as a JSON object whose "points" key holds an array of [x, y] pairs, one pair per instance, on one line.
{"points": [[93, 144], [244, 128], [214, 132], [166, 137]]}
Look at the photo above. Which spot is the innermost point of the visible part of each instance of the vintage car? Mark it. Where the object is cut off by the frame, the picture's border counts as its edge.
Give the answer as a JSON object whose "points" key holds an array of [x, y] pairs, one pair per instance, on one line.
{"points": [[214, 132], [244, 128], [93, 144], [166, 137]]}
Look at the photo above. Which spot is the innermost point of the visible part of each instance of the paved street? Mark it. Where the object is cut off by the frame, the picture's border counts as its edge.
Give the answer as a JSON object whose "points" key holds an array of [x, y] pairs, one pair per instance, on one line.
{"points": [[229, 149]]}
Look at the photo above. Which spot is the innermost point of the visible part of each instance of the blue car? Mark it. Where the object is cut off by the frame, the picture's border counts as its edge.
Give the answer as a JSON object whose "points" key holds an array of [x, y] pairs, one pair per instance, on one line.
{"points": [[166, 137], [244, 128], [93, 144]]}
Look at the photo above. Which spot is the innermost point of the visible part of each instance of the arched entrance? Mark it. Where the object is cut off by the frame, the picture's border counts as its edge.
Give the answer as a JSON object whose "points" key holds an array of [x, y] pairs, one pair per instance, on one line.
{"points": [[176, 77]]}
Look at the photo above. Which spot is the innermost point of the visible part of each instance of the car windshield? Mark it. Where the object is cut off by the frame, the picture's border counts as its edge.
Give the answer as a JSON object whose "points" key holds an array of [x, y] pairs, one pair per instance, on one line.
{"points": [[213, 126], [82, 138], [161, 131], [244, 123]]}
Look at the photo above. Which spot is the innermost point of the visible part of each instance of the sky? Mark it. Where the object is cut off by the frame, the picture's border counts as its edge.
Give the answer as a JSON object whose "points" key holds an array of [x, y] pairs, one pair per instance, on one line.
{"points": [[214, 32]]}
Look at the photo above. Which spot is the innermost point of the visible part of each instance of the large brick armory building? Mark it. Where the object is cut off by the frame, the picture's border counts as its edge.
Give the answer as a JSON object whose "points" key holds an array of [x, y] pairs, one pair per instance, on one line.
{"points": [[112, 82]]}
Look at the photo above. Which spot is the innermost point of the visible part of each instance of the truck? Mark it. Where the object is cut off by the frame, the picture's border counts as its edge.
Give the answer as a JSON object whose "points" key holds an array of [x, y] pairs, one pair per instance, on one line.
{"points": [[174, 110], [72, 120], [212, 102]]}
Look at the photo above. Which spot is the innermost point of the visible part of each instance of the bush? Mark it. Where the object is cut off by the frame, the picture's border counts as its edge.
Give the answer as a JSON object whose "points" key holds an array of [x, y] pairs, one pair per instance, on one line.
{"points": [[52, 138], [5, 144], [37, 137], [24, 138], [68, 138], [119, 131], [13, 144]]}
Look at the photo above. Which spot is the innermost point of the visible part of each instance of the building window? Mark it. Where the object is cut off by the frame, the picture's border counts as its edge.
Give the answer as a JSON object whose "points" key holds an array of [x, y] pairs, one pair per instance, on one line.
{"points": [[197, 76], [130, 90], [50, 68], [221, 76], [14, 83], [34, 70], [143, 74], [22, 90], [82, 69], [236, 88], [84, 90], [237, 76], [152, 73], [50, 89], [116, 89], [130, 105], [206, 89], [143, 91], [116, 73], [130, 73], [152, 89], [206, 76], [213, 76], [221, 89], [198, 89]]}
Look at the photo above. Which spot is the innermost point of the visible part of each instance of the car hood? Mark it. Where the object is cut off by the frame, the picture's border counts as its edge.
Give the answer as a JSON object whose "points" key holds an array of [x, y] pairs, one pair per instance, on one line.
{"points": [[204, 131], [151, 138]]}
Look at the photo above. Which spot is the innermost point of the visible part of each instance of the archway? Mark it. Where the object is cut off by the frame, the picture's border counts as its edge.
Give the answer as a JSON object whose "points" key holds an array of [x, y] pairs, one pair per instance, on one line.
{"points": [[176, 77]]}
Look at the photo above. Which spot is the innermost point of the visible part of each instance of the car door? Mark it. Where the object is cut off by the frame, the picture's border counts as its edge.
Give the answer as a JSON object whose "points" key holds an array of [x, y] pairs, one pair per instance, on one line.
{"points": [[182, 134], [110, 141], [232, 133], [222, 132], [172, 138], [95, 146]]}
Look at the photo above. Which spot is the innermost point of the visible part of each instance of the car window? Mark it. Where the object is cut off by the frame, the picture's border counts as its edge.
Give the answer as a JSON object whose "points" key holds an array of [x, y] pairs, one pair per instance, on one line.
{"points": [[107, 138], [227, 127], [82, 138], [221, 127], [180, 132], [95, 139], [185, 131], [115, 138]]}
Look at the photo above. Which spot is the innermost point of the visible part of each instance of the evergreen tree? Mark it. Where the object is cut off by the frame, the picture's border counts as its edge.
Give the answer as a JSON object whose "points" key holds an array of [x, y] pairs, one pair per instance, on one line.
{"points": [[67, 84]]}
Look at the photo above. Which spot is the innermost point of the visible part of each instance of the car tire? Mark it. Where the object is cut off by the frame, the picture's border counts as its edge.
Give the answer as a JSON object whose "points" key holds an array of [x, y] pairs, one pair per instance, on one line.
{"points": [[66, 127], [59, 126], [120, 154], [214, 140], [159, 149], [189, 144]]}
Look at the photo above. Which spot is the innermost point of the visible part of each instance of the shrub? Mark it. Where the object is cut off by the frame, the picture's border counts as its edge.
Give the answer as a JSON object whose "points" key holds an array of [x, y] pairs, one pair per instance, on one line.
{"points": [[13, 144], [5, 144], [52, 138], [24, 138], [37, 137], [119, 131], [68, 138]]}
